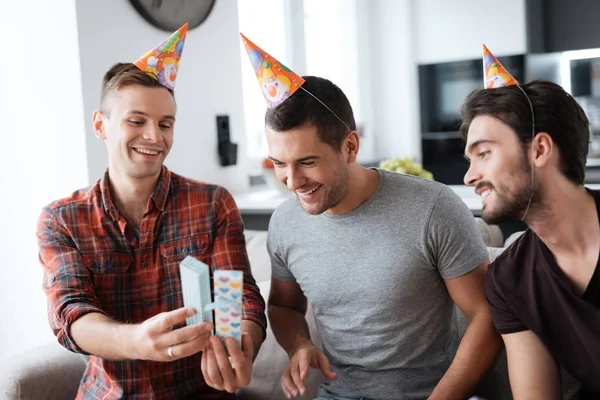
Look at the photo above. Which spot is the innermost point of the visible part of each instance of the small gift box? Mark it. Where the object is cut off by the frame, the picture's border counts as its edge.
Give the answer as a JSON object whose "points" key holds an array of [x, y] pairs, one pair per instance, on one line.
{"points": [[228, 286]]}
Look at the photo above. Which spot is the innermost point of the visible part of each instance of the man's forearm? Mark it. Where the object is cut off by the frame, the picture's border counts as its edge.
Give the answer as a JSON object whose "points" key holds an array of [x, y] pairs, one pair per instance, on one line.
{"points": [[103, 337], [289, 327], [477, 351]]}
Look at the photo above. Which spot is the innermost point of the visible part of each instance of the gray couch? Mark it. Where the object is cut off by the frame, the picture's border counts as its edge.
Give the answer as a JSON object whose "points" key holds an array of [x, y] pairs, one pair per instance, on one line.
{"points": [[52, 373]]}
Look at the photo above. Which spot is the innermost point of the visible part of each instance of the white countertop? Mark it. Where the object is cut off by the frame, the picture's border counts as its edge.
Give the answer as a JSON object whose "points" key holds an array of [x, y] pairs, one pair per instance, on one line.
{"points": [[264, 200], [260, 201]]}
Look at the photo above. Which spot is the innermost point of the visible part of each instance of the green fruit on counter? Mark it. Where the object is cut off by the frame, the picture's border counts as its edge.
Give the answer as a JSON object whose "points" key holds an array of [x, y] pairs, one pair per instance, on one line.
{"points": [[406, 165]]}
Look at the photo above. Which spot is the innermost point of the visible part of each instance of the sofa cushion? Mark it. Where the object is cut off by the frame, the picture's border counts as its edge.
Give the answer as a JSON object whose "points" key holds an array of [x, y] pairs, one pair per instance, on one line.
{"points": [[272, 360], [491, 234], [46, 372]]}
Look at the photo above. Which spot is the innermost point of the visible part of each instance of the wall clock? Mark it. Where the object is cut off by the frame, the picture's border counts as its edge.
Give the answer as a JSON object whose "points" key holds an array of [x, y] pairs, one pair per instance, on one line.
{"points": [[169, 15]]}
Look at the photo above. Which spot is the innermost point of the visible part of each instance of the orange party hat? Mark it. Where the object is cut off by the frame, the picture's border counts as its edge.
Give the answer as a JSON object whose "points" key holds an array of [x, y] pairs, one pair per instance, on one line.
{"points": [[277, 82], [494, 73], [162, 61]]}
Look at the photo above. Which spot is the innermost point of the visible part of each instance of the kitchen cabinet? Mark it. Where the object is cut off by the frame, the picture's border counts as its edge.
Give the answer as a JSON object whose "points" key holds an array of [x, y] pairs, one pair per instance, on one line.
{"points": [[454, 30], [562, 25]]}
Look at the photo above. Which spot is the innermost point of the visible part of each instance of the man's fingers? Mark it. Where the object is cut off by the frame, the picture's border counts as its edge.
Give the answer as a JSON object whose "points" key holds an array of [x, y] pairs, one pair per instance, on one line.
{"points": [[304, 361], [204, 369], [325, 367], [165, 321], [191, 347], [241, 362], [184, 334], [225, 368], [234, 350], [296, 380], [287, 382], [212, 369], [247, 346]]}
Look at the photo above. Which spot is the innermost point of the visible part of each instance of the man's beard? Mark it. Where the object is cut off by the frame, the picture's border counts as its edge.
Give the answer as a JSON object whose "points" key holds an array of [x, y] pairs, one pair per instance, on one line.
{"points": [[335, 194], [512, 205]]}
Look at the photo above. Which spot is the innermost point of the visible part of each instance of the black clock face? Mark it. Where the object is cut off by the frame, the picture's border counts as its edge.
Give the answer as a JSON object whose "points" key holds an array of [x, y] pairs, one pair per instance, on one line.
{"points": [[169, 15]]}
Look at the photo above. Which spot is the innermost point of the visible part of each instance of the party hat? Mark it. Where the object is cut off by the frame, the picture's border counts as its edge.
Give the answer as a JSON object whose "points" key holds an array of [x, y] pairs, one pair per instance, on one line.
{"points": [[277, 82], [494, 73], [162, 62]]}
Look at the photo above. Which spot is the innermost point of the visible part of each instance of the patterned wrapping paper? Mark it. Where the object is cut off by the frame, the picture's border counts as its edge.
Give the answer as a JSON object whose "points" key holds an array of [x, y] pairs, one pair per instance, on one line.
{"points": [[494, 73], [277, 82], [228, 287], [162, 62]]}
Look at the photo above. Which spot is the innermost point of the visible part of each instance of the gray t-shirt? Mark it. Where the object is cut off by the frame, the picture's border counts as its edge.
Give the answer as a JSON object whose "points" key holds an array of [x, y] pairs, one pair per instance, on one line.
{"points": [[374, 277]]}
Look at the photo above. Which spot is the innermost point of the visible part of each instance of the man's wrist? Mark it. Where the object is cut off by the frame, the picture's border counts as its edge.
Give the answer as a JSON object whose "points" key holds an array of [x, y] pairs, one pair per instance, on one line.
{"points": [[256, 334], [301, 342], [127, 338]]}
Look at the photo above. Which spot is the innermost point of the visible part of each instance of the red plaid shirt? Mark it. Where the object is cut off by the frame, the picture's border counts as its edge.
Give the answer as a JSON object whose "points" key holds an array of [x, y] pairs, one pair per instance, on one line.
{"points": [[94, 262]]}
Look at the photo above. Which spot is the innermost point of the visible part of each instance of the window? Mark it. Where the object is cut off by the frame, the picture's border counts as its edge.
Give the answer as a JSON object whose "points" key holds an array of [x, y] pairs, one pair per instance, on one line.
{"points": [[330, 35], [311, 37], [263, 22]]}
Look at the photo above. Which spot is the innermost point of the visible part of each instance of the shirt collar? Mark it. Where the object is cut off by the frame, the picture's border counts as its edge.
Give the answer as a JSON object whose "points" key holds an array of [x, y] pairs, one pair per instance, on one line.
{"points": [[158, 197], [161, 192]]}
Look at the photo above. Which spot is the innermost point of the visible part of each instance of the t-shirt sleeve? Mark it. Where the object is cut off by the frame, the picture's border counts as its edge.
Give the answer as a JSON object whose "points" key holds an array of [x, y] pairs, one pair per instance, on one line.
{"points": [[505, 319], [454, 242], [279, 268]]}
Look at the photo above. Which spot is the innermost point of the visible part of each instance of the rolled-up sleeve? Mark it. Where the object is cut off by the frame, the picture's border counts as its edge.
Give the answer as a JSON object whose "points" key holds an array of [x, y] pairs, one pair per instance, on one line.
{"points": [[67, 282], [229, 252]]}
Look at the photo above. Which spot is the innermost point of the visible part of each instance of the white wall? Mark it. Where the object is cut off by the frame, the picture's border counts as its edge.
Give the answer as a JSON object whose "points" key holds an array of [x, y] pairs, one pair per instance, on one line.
{"points": [[450, 30], [43, 152], [209, 83], [393, 79]]}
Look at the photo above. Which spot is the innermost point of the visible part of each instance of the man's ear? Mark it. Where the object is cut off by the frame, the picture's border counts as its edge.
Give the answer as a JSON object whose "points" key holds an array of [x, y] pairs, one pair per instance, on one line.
{"points": [[543, 149], [98, 124], [351, 145]]}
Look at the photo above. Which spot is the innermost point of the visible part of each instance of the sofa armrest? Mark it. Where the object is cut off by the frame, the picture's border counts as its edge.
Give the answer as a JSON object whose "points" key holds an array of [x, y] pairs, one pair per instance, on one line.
{"points": [[491, 234], [46, 372]]}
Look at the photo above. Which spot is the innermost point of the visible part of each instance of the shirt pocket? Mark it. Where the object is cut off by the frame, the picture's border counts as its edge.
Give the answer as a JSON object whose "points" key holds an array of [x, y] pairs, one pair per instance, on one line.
{"points": [[107, 262], [178, 249]]}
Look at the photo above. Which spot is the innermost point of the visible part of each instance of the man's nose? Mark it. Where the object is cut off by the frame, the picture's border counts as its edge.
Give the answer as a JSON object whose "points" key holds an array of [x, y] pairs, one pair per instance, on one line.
{"points": [[294, 179], [152, 133], [472, 176]]}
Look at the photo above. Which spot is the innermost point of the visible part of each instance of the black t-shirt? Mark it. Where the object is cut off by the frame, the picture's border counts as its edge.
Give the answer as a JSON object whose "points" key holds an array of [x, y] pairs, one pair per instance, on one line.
{"points": [[527, 290]]}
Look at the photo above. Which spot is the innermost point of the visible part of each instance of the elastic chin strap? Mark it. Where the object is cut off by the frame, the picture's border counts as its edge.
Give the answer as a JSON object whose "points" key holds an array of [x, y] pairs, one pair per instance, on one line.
{"points": [[532, 153], [325, 105]]}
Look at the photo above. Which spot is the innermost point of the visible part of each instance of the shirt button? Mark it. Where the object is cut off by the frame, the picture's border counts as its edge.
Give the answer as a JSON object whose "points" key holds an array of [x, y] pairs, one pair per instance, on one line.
{"points": [[149, 304], [145, 264], [183, 251]]}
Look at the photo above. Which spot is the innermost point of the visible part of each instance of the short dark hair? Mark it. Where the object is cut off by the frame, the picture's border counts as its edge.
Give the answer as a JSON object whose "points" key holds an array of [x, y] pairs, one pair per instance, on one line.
{"points": [[126, 74], [556, 113], [302, 109]]}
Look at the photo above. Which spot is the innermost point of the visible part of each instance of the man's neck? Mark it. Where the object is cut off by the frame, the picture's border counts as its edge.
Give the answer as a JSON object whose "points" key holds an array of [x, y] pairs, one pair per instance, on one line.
{"points": [[569, 223], [362, 183], [131, 195]]}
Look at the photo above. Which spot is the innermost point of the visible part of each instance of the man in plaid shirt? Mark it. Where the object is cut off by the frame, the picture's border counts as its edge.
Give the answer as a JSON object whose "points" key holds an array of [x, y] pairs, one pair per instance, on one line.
{"points": [[111, 255]]}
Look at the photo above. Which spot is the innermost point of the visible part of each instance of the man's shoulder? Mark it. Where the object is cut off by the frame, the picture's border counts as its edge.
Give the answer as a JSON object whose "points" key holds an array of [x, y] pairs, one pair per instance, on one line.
{"points": [[515, 261], [80, 198], [410, 187]]}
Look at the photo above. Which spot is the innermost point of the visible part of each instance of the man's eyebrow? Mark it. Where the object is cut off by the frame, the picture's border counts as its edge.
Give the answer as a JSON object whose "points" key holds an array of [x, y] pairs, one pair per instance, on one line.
{"points": [[302, 159], [307, 158], [476, 144], [138, 112]]}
